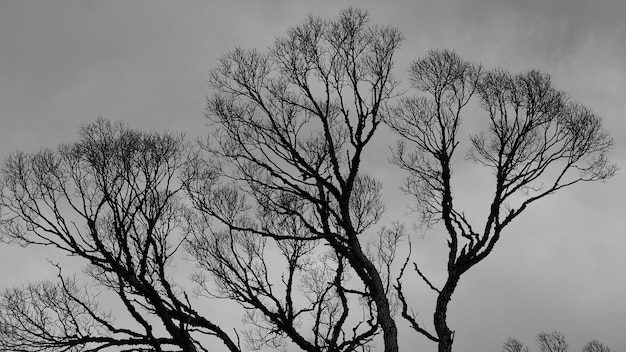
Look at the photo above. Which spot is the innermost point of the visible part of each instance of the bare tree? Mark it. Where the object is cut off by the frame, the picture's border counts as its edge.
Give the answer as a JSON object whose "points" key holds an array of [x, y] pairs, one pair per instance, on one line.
{"points": [[513, 345], [595, 346], [552, 342], [291, 127], [112, 199], [537, 142]]}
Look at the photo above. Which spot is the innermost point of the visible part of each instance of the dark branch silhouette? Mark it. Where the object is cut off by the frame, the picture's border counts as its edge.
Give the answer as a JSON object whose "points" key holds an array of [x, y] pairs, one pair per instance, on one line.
{"points": [[292, 125], [552, 342], [537, 143], [112, 199], [595, 346], [513, 345]]}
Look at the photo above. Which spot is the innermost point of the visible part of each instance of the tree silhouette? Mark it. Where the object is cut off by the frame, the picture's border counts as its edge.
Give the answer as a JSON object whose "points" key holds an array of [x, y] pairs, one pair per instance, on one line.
{"points": [[291, 127], [513, 345], [552, 342], [538, 142], [595, 346], [113, 198]]}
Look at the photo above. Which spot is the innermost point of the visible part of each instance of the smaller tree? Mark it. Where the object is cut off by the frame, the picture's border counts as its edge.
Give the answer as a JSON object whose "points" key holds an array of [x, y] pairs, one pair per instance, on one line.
{"points": [[595, 346], [552, 342], [537, 143], [114, 199], [513, 345]]}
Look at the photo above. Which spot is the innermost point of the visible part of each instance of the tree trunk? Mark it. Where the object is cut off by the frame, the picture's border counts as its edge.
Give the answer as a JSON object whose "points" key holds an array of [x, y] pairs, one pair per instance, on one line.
{"points": [[444, 334], [371, 278], [390, 331], [385, 318]]}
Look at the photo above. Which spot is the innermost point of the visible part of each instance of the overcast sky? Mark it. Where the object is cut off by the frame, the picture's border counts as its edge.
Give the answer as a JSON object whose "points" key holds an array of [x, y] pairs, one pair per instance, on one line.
{"points": [[561, 266]]}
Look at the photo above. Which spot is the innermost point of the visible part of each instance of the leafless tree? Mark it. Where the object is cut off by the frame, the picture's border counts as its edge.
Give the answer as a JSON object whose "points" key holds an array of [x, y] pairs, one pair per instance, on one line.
{"points": [[113, 199], [552, 342], [537, 142], [513, 345], [291, 127], [595, 346]]}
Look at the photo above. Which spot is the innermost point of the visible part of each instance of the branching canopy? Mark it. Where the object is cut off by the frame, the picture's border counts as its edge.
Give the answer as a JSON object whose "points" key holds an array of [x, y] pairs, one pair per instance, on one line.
{"points": [[291, 126], [537, 142], [113, 199]]}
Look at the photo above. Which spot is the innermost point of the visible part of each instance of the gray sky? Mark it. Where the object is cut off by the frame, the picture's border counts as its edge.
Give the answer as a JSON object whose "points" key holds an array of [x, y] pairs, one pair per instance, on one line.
{"points": [[561, 266]]}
